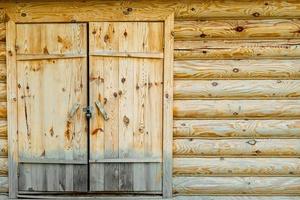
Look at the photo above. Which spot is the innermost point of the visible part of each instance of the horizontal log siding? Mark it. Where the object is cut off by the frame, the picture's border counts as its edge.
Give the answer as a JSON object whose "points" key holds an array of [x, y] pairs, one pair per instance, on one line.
{"points": [[236, 106], [237, 185], [183, 10], [237, 49], [237, 69], [233, 128], [240, 29]]}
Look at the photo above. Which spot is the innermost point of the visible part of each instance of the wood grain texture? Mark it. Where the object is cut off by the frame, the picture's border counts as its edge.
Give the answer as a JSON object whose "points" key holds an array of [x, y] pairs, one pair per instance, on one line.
{"points": [[4, 184], [237, 109], [237, 69], [168, 107], [237, 89], [2, 70], [131, 91], [236, 185], [236, 29], [236, 167], [236, 128], [2, 32], [2, 51], [3, 167], [3, 128], [3, 147], [47, 92], [237, 49], [12, 109], [236, 147], [192, 9], [40, 39], [3, 110], [3, 91]]}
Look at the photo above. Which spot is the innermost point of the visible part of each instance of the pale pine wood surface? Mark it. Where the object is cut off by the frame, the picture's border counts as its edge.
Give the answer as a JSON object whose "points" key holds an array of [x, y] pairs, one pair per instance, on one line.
{"points": [[131, 91], [47, 91], [206, 69]]}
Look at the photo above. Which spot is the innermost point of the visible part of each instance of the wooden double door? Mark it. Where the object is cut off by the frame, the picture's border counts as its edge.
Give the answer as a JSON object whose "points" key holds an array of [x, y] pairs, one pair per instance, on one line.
{"points": [[90, 107]]}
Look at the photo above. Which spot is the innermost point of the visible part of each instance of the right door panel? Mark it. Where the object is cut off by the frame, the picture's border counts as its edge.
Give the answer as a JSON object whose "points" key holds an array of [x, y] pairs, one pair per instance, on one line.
{"points": [[126, 84]]}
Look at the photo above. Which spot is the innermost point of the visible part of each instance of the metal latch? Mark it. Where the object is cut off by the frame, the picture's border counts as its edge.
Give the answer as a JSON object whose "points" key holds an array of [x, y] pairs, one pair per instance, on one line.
{"points": [[88, 112], [73, 110], [101, 110]]}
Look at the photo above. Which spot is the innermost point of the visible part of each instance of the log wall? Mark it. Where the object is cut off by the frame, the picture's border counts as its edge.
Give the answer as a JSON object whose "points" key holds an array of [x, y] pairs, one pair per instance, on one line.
{"points": [[236, 90], [236, 105]]}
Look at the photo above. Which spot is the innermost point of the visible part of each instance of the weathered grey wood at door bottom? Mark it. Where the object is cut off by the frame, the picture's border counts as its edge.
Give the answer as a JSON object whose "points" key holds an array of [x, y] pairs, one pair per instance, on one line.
{"points": [[128, 160], [92, 197], [53, 161]]}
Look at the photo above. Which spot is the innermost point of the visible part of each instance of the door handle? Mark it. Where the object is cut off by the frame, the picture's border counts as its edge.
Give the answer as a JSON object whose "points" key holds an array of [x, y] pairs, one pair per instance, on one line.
{"points": [[101, 110], [73, 110]]}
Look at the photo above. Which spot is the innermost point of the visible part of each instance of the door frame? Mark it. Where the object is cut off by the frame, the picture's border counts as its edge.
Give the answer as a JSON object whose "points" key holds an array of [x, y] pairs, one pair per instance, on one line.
{"points": [[12, 114]]}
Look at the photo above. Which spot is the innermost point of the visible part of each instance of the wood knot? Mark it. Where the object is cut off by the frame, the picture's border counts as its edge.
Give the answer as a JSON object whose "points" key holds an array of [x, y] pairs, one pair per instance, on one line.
{"points": [[123, 80], [202, 35], [214, 84], [23, 14], [125, 34], [204, 52], [193, 9], [126, 120], [167, 96], [94, 32], [235, 70], [45, 50], [235, 113], [239, 29], [115, 94], [51, 131], [251, 142], [10, 53], [142, 128], [105, 100], [127, 11], [256, 14], [106, 38], [120, 92]]}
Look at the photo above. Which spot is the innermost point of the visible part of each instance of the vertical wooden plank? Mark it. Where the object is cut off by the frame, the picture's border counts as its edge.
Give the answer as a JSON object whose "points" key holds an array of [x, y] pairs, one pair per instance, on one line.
{"points": [[168, 107], [12, 108], [140, 82], [104, 36], [127, 43], [153, 138], [111, 88], [97, 32], [96, 81], [111, 140]]}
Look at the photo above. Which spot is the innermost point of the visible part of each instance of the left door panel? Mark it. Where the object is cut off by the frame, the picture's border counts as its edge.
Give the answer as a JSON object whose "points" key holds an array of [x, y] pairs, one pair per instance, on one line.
{"points": [[52, 91]]}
